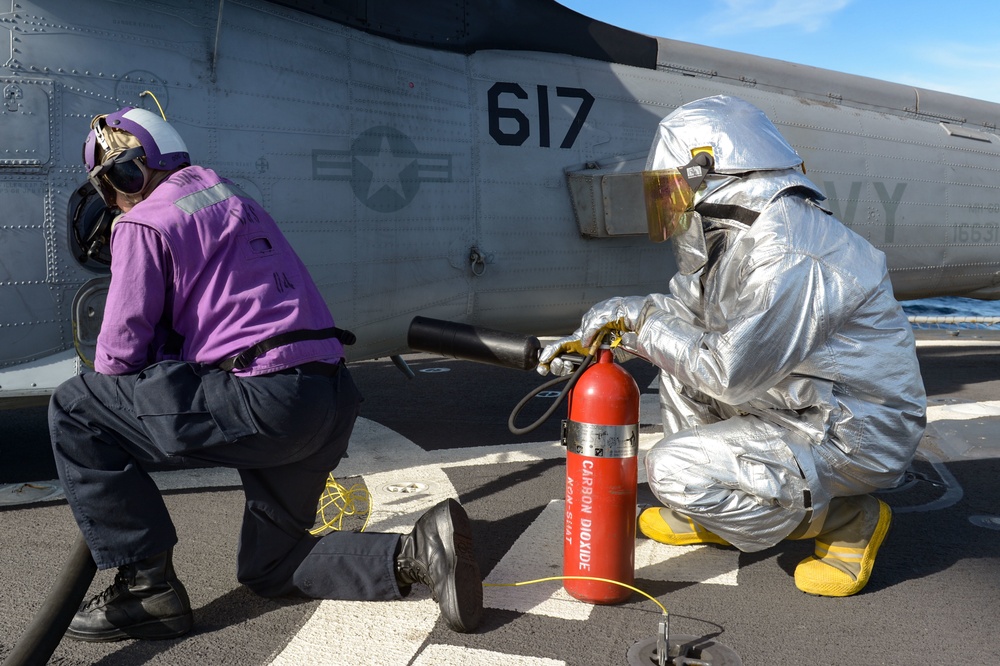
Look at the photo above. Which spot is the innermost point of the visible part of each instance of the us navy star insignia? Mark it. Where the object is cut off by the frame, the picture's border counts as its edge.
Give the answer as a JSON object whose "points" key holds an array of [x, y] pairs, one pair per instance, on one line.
{"points": [[384, 167]]}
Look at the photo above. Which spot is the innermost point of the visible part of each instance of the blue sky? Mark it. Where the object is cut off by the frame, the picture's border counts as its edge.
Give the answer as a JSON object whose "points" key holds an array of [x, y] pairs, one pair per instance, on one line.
{"points": [[952, 46]]}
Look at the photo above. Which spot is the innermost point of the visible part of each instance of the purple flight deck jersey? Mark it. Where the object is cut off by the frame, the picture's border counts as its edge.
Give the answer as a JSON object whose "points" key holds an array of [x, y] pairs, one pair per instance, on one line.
{"points": [[201, 254]]}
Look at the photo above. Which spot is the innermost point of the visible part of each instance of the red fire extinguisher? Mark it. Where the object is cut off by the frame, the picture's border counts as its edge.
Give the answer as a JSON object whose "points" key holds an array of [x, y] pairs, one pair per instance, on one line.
{"points": [[602, 442]]}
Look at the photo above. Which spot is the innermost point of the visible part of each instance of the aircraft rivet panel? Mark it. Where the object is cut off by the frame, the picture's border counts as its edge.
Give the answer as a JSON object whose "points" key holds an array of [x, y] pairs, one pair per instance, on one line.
{"points": [[24, 118]]}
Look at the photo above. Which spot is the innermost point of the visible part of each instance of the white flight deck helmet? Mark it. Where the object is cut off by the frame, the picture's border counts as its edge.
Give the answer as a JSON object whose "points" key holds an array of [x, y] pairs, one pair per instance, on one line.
{"points": [[124, 146], [700, 148], [121, 152]]}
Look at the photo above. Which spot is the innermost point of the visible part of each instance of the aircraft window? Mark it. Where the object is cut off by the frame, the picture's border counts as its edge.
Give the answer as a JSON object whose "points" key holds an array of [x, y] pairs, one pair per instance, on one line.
{"points": [[90, 229], [965, 133]]}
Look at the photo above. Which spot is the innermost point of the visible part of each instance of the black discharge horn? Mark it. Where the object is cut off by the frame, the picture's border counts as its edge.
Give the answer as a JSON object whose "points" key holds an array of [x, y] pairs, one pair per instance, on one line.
{"points": [[472, 343], [485, 345]]}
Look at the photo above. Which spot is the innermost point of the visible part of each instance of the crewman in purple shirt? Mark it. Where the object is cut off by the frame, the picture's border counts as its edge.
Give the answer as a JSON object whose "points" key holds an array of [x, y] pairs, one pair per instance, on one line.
{"points": [[216, 347]]}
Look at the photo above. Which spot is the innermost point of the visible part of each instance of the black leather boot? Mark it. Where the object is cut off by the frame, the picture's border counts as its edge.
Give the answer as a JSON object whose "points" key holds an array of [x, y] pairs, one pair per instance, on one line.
{"points": [[145, 601], [439, 554]]}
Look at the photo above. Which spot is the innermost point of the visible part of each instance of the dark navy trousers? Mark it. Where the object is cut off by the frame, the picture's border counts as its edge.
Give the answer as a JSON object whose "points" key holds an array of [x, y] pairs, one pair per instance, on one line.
{"points": [[284, 433]]}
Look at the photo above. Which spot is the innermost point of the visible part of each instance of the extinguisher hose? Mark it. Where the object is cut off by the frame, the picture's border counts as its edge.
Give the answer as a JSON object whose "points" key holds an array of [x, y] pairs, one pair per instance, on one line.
{"points": [[571, 381], [42, 637]]}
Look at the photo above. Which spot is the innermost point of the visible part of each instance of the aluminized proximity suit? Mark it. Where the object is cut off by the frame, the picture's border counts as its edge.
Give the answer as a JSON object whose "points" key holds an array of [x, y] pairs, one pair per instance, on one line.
{"points": [[788, 371], [789, 375], [790, 387]]}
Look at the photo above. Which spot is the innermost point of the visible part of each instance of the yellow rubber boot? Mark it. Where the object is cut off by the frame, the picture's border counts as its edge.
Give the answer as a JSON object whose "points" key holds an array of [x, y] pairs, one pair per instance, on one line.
{"points": [[670, 527], [845, 547]]}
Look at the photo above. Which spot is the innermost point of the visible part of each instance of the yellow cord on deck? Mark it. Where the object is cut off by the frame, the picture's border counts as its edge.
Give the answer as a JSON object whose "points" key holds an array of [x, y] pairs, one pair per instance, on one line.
{"points": [[345, 502]]}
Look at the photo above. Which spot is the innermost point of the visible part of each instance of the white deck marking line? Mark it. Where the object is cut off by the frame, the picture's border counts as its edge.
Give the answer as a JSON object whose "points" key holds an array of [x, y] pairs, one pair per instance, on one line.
{"points": [[537, 553], [963, 411], [363, 632], [953, 492], [391, 631], [686, 564], [649, 409]]}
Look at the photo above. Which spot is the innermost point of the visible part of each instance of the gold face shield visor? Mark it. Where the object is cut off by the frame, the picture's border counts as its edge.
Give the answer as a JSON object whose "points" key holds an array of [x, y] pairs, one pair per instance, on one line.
{"points": [[669, 195]]}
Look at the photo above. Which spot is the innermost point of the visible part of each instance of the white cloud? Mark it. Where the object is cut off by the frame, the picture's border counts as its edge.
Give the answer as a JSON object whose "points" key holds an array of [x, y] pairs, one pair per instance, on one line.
{"points": [[960, 57], [976, 88], [738, 16], [955, 67]]}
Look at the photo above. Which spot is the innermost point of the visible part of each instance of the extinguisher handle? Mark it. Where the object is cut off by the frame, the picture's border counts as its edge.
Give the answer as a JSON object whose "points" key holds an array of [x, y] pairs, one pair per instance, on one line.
{"points": [[575, 359]]}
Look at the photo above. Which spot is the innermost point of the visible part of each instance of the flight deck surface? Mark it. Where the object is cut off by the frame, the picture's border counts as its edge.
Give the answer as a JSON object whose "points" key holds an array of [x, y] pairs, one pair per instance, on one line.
{"points": [[933, 596]]}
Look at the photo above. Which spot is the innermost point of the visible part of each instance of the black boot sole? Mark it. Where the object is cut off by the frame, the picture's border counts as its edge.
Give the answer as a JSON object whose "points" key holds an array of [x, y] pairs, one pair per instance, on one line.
{"points": [[158, 629], [462, 603]]}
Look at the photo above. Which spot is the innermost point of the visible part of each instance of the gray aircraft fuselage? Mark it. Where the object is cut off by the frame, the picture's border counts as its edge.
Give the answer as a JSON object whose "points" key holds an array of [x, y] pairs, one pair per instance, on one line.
{"points": [[445, 159]]}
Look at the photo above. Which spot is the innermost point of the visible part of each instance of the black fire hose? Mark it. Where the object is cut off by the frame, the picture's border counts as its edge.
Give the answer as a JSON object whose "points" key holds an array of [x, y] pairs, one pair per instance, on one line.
{"points": [[42, 637], [486, 345]]}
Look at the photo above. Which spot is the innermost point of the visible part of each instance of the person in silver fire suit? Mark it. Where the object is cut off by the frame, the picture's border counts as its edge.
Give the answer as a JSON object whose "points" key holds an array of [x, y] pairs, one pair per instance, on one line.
{"points": [[789, 382]]}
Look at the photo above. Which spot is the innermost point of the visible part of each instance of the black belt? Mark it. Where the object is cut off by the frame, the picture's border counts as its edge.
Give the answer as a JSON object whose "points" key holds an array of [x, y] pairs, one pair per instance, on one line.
{"points": [[246, 357]]}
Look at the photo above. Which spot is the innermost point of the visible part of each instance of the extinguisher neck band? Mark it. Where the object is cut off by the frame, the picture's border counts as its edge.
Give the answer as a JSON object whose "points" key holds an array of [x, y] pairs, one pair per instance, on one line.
{"points": [[602, 441]]}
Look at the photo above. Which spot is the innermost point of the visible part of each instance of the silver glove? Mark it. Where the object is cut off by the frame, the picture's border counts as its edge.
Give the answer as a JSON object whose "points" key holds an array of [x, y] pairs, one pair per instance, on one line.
{"points": [[621, 313]]}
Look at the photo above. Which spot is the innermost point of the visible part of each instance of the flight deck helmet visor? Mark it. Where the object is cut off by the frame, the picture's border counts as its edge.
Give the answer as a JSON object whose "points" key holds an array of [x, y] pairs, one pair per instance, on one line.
{"points": [[123, 172], [669, 195]]}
